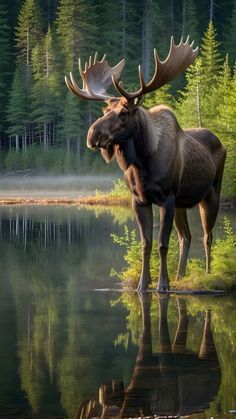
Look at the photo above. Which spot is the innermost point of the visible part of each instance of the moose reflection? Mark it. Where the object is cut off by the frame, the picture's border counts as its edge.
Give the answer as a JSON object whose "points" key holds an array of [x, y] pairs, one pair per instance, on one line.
{"points": [[173, 383]]}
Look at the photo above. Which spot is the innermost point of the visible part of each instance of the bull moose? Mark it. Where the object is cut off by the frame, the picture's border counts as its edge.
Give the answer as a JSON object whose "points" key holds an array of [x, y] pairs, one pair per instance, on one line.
{"points": [[172, 383], [163, 164]]}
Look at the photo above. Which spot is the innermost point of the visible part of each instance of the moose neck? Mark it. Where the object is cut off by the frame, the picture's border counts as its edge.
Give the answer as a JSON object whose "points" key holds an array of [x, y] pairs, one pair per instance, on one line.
{"points": [[143, 143]]}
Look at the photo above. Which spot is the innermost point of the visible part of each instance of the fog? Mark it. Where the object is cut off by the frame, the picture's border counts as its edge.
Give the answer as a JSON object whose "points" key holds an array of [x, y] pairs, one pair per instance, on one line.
{"points": [[25, 183]]}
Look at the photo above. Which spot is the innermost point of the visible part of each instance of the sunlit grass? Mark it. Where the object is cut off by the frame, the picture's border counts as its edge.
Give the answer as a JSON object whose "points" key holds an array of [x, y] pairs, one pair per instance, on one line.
{"points": [[222, 277]]}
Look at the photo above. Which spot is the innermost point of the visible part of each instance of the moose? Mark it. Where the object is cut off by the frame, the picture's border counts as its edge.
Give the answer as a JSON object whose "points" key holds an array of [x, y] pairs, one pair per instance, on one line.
{"points": [[163, 164], [174, 382]]}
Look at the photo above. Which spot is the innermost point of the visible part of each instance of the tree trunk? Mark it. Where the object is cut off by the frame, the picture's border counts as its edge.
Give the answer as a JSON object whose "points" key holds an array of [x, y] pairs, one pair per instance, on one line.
{"points": [[27, 49], [78, 152], [211, 10], [123, 27], [146, 40], [199, 107], [183, 17], [45, 135], [172, 17], [17, 142], [68, 145]]}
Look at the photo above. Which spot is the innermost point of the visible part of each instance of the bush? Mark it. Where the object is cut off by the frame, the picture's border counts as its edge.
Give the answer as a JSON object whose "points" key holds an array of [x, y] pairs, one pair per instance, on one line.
{"points": [[222, 277]]}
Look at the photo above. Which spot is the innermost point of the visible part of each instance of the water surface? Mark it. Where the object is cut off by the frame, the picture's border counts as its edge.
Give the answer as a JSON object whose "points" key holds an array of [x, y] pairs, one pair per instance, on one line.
{"points": [[69, 351]]}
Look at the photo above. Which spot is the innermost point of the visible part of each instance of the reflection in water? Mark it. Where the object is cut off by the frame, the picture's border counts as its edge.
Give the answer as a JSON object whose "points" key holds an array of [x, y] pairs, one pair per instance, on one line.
{"points": [[173, 383], [63, 345]]}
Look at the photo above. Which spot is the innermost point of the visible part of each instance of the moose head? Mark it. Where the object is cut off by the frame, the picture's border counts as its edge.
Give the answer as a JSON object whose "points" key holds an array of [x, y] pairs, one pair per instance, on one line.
{"points": [[118, 122], [163, 164]]}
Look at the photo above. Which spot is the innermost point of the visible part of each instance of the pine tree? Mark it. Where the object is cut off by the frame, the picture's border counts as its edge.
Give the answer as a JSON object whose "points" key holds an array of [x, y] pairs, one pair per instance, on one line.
{"points": [[190, 21], [28, 31], [17, 107], [71, 126], [230, 36], [153, 34], [44, 91], [160, 96], [227, 127], [124, 17], [4, 65], [189, 106], [211, 70], [211, 57], [28, 34], [76, 29]]}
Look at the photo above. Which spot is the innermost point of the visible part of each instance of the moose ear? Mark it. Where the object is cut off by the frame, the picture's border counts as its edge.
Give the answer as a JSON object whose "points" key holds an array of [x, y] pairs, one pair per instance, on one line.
{"points": [[108, 153]]}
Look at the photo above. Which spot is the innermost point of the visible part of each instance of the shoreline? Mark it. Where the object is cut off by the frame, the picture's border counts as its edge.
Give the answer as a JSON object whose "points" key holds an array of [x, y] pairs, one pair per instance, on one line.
{"points": [[105, 199], [91, 200]]}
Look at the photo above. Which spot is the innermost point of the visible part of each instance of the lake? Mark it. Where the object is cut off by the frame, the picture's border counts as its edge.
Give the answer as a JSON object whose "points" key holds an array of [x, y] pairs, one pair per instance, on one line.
{"points": [[74, 346]]}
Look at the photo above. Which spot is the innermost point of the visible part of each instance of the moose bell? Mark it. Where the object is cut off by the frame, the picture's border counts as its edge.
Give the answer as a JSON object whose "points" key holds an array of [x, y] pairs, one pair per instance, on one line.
{"points": [[162, 163]]}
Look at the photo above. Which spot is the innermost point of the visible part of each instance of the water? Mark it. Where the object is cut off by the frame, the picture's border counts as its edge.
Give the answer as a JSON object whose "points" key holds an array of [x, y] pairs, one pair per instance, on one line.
{"points": [[70, 351]]}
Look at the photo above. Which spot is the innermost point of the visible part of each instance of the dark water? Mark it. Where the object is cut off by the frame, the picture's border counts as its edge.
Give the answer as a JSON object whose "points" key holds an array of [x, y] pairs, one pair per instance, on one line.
{"points": [[70, 351]]}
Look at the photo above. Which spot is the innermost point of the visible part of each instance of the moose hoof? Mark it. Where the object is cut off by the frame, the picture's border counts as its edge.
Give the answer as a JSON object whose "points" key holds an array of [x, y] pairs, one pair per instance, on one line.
{"points": [[141, 287], [162, 288]]}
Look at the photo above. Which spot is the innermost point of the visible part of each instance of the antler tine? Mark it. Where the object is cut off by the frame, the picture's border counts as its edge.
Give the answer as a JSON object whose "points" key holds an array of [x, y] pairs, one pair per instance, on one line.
{"points": [[178, 59], [95, 58], [103, 58], [187, 40], [96, 77], [141, 78]]}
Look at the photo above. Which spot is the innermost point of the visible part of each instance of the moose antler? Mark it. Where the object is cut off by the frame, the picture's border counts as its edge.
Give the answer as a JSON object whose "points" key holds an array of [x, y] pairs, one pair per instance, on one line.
{"points": [[97, 77], [179, 58]]}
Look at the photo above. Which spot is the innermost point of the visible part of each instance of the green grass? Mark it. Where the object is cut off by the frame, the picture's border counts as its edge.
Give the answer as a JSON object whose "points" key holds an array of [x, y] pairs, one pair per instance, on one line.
{"points": [[223, 273]]}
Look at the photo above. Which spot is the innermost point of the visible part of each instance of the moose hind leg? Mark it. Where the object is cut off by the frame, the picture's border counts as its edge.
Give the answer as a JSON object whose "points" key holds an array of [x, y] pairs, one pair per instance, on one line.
{"points": [[208, 211], [144, 217], [184, 237]]}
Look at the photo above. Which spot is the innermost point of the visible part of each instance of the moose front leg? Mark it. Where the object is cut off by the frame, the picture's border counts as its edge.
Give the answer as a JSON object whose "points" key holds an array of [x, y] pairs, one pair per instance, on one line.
{"points": [[166, 222], [144, 217]]}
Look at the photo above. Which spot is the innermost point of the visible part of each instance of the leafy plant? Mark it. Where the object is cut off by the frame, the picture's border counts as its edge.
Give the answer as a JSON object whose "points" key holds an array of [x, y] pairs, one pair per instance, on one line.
{"points": [[130, 274], [223, 272]]}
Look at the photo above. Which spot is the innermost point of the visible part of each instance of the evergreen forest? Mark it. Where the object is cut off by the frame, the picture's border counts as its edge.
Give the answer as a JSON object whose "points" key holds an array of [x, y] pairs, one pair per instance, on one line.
{"points": [[43, 126]]}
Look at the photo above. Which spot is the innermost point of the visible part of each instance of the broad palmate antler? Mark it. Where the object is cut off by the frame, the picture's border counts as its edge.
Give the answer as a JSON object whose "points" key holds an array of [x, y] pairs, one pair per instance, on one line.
{"points": [[98, 76]]}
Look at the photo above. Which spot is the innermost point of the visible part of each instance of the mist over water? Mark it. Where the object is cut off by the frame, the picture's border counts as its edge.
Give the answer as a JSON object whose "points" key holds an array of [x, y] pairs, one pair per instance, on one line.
{"points": [[26, 183]]}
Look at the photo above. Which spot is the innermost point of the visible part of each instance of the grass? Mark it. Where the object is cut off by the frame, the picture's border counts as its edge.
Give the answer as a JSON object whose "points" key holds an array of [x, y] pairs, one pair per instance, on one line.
{"points": [[222, 277]]}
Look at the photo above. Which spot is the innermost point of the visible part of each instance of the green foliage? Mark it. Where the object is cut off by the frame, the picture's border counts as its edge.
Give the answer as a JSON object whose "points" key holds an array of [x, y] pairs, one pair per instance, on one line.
{"points": [[224, 253], [119, 189], [223, 262], [209, 101], [17, 107], [230, 36], [130, 274], [28, 31], [4, 63], [158, 97], [36, 106]]}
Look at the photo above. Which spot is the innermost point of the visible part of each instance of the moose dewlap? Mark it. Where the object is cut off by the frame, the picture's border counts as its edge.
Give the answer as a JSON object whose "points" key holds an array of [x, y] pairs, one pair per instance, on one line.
{"points": [[163, 164]]}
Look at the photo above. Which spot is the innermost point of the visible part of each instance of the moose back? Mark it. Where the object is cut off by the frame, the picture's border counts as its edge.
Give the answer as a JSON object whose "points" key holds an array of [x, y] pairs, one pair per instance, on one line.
{"points": [[163, 164]]}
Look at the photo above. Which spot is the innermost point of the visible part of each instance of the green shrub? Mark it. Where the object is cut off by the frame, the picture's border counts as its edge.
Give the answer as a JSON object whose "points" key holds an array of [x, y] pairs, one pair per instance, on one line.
{"points": [[133, 257], [222, 277]]}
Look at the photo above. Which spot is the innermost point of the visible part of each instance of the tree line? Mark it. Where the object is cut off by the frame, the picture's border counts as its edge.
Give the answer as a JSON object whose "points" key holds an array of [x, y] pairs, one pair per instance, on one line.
{"points": [[43, 125]]}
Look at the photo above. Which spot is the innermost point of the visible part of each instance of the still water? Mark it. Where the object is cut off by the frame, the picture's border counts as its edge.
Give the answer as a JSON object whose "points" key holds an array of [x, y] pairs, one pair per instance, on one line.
{"points": [[74, 346]]}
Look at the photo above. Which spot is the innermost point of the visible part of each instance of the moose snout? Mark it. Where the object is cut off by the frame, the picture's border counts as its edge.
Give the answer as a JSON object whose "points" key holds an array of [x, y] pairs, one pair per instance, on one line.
{"points": [[97, 137]]}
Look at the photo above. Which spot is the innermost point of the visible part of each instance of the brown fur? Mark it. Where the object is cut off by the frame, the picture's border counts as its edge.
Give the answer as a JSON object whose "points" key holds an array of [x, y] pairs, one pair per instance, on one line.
{"points": [[164, 165]]}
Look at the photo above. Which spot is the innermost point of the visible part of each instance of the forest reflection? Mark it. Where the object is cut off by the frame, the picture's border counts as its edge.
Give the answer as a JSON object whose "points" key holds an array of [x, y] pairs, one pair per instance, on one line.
{"points": [[64, 344]]}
